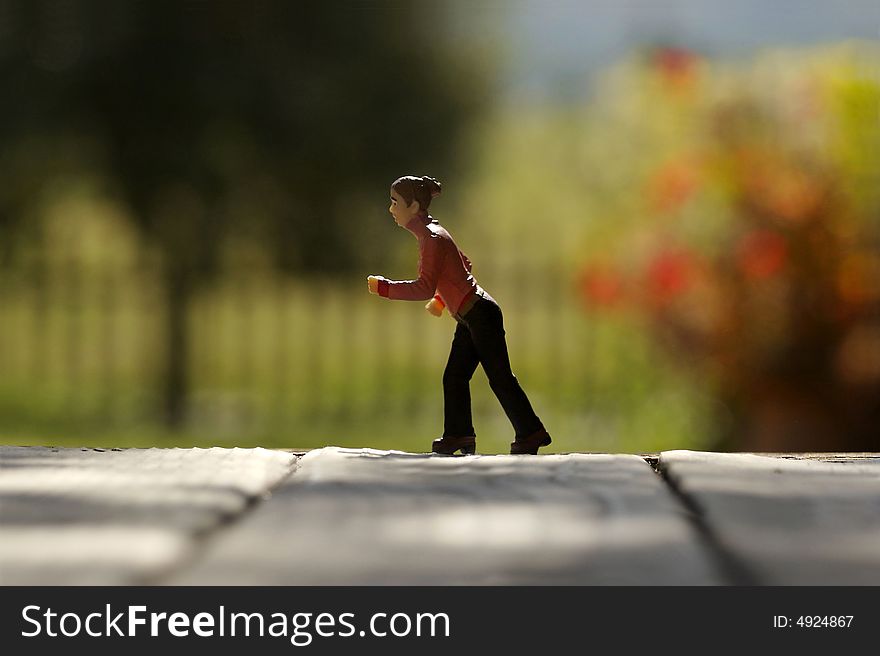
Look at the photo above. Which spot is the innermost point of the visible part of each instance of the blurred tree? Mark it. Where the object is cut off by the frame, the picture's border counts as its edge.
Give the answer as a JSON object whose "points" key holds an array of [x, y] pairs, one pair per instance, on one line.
{"points": [[753, 251], [230, 118]]}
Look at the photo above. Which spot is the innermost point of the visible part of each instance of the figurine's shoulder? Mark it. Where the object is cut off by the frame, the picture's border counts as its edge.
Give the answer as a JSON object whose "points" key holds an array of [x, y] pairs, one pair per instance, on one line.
{"points": [[437, 231]]}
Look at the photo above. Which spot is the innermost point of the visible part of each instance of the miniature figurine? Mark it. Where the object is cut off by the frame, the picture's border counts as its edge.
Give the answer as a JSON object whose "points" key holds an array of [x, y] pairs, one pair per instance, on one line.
{"points": [[445, 277]]}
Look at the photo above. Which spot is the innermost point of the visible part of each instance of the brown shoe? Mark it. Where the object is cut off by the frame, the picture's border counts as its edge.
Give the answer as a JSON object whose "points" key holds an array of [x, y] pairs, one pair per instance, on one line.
{"points": [[449, 445], [531, 443]]}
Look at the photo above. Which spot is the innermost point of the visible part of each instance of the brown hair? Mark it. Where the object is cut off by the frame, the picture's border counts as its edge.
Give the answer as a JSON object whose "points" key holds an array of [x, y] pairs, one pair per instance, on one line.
{"points": [[421, 188]]}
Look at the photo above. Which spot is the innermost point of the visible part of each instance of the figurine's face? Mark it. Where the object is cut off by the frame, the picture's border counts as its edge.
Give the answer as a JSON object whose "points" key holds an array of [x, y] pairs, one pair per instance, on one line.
{"points": [[402, 212]]}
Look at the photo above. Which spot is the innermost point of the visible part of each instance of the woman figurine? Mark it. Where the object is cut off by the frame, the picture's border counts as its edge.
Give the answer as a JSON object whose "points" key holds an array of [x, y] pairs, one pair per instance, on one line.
{"points": [[445, 277]]}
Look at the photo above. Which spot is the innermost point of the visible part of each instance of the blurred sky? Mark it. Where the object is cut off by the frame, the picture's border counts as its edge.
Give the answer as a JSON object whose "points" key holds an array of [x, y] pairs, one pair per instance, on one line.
{"points": [[551, 44]]}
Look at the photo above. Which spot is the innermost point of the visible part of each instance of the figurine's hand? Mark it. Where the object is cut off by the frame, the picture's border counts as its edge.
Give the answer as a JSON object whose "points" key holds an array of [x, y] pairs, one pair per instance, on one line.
{"points": [[373, 284], [435, 307]]}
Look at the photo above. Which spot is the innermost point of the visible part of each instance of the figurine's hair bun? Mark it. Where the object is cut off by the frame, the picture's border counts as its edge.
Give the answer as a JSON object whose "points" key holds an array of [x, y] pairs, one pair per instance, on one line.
{"points": [[433, 185], [421, 188]]}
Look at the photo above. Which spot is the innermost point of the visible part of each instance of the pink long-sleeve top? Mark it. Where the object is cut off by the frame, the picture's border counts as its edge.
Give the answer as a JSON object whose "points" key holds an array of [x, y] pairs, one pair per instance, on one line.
{"points": [[444, 270]]}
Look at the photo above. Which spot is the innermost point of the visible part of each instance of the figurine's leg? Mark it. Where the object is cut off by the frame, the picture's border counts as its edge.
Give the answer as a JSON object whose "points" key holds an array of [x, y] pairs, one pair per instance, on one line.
{"points": [[460, 368], [486, 325]]}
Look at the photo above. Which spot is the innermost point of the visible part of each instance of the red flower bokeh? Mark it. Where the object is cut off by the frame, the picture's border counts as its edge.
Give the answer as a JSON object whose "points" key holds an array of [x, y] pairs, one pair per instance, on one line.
{"points": [[761, 254], [601, 286], [670, 273], [677, 66], [672, 185]]}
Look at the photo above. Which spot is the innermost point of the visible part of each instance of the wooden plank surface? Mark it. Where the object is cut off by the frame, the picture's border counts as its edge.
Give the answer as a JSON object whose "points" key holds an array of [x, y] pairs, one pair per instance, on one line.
{"points": [[92, 516], [360, 516], [787, 520]]}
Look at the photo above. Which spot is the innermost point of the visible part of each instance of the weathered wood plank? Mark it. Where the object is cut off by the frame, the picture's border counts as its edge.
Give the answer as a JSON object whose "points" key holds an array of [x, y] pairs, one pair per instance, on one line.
{"points": [[787, 521], [350, 516], [86, 516]]}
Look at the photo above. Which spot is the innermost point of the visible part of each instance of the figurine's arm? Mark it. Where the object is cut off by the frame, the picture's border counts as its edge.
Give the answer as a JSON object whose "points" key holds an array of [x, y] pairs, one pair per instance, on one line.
{"points": [[373, 283]]}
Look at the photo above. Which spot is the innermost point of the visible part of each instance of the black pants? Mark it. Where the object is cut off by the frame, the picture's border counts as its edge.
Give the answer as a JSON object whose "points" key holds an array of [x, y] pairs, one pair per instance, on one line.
{"points": [[479, 339]]}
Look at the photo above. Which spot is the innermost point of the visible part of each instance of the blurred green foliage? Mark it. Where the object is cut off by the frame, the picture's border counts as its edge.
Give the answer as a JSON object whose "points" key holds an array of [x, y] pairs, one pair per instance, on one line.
{"points": [[730, 210], [225, 130], [582, 221]]}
